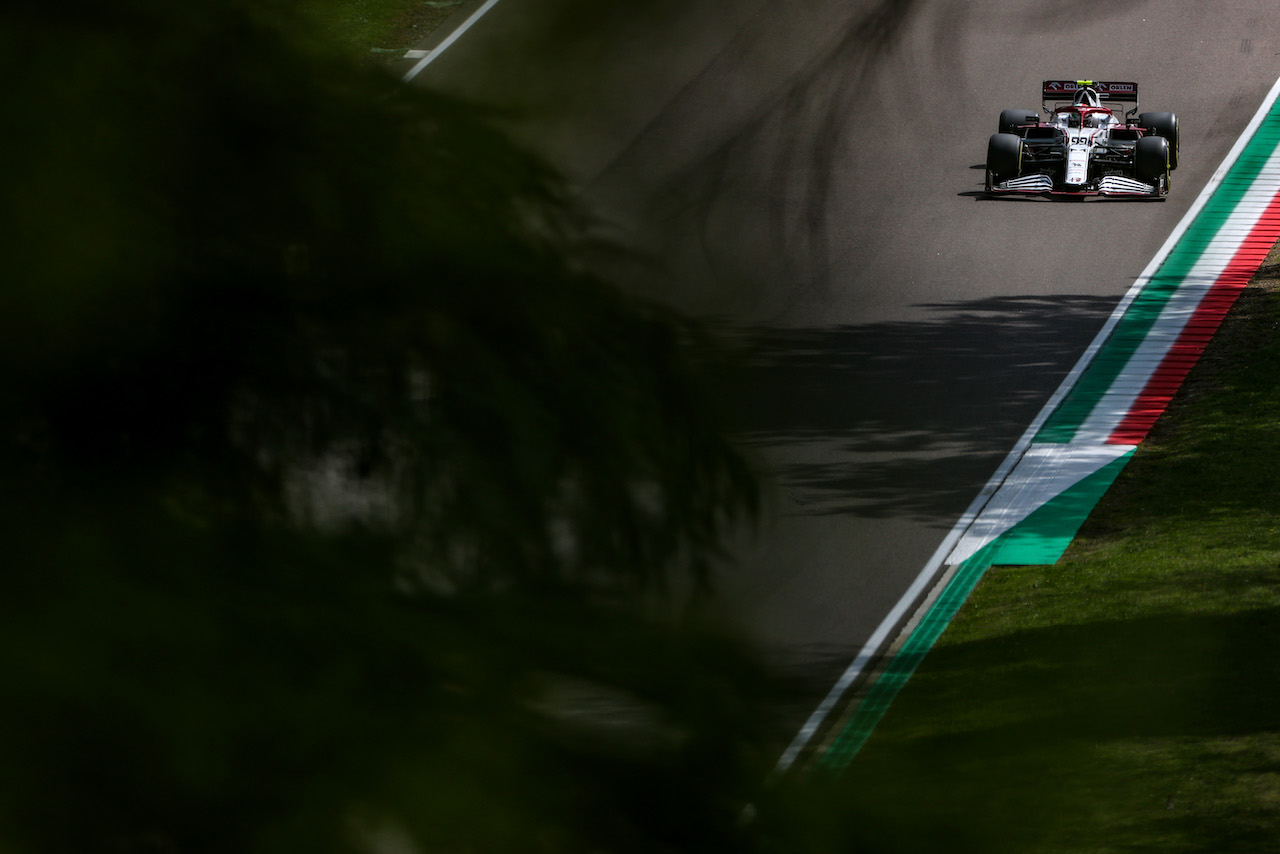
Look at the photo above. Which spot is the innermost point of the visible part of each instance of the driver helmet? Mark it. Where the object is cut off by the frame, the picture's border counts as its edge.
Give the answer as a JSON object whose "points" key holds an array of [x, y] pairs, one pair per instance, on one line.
{"points": [[1087, 97], [1073, 119]]}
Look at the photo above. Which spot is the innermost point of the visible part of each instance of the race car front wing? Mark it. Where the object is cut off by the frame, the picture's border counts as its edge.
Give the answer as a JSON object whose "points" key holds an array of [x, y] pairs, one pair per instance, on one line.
{"points": [[1109, 185], [1118, 185]]}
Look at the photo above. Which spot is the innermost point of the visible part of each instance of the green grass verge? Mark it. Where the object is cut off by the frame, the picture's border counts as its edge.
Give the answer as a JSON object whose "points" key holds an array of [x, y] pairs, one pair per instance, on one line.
{"points": [[379, 27], [1128, 697]]}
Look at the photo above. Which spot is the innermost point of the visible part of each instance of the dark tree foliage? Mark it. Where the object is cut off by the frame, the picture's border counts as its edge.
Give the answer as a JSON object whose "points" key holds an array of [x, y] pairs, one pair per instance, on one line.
{"points": [[333, 489]]}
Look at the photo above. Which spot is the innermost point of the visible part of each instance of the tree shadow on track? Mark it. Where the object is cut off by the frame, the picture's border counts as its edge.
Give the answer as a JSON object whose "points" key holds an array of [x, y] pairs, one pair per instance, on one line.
{"points": [[907, 418]]}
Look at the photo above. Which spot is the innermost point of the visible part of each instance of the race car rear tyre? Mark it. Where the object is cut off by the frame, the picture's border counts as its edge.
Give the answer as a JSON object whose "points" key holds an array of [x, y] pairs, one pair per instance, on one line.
{"points": [[1010, 120], [1151, 159], [1004, 157], [1165, 125]]}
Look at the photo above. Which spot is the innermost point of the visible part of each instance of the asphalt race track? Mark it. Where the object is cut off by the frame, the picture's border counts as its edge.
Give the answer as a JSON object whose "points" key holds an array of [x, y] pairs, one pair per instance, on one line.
{"points": [[811, 173]]}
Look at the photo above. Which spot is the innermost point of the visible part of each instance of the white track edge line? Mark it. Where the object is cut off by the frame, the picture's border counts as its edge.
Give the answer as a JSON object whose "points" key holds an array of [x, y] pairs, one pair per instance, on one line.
{"points": [[874, 643]]}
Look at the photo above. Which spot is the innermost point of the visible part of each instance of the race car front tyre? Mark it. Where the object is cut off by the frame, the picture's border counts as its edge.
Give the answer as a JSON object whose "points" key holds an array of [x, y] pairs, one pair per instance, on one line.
{"points": [[1011, 120], [1151, 159], [1165, 125], [1004, 157]]}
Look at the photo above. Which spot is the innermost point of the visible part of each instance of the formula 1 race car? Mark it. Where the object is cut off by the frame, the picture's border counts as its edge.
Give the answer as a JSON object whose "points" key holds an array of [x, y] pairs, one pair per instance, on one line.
{"points": [[1084, 148]]}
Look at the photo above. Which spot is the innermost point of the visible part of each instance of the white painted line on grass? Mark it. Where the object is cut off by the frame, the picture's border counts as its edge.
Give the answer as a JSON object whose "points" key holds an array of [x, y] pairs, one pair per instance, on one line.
{"points": [[453, 37]]}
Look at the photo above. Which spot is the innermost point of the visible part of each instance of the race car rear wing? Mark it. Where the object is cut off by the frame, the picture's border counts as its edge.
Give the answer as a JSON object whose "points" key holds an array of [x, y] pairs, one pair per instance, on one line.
{"points": [[1065, 90], [1059, 91]]}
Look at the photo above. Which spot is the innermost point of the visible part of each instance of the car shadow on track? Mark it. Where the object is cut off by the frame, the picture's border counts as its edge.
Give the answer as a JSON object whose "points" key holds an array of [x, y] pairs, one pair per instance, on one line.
{"points": [[984, 196]]}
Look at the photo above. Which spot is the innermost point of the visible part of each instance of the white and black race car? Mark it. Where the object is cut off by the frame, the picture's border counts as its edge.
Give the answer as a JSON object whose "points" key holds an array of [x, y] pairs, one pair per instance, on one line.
{"points": [[1084, 148]]}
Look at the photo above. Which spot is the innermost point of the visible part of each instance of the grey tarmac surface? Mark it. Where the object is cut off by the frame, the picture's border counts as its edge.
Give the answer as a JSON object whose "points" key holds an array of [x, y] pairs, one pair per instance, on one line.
{"points": [[810, 174]]}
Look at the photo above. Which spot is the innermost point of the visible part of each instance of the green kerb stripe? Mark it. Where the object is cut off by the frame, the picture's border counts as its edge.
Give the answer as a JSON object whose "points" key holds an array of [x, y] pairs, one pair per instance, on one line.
{"points": [[1043, 536], [901, 666], [1133, 328], [1040, 538]]}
